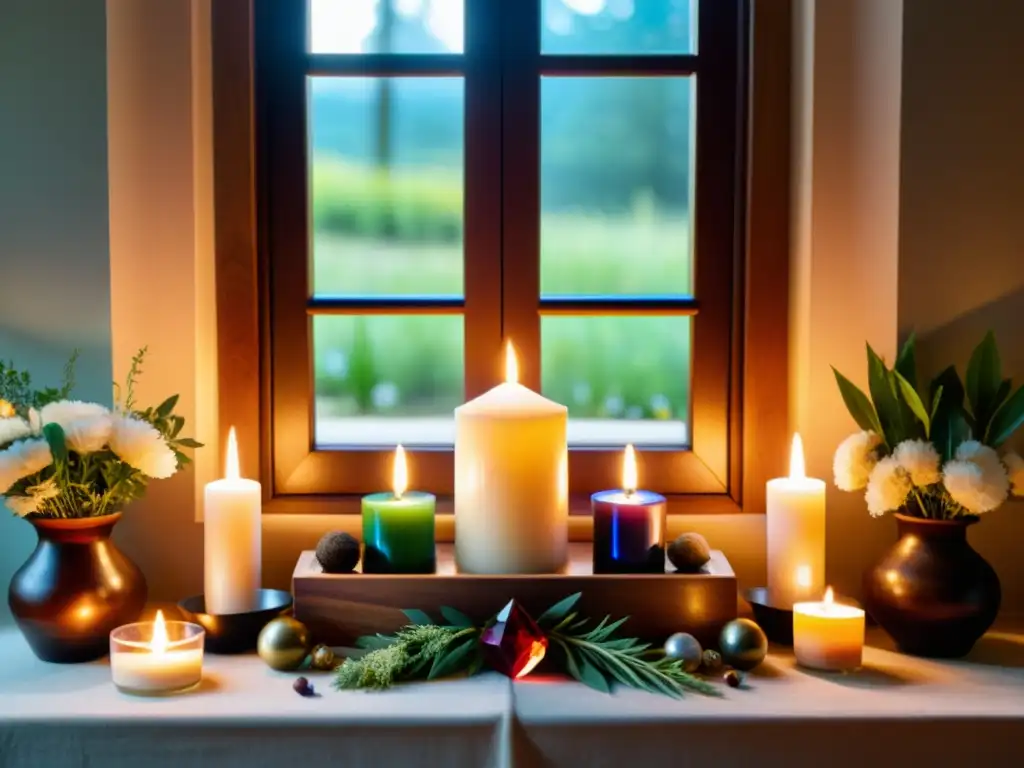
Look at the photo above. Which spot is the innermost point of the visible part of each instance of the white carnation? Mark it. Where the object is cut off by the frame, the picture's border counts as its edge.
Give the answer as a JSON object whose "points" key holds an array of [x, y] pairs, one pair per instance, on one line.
{"points": [[13, 429], [138, 444], [982, 455], [888, 487], [89, 434], [855, 458], [1015, 469], [21, 459], [921, 461], [66, 412], [36, 496], [975, 487], [22, 506]]}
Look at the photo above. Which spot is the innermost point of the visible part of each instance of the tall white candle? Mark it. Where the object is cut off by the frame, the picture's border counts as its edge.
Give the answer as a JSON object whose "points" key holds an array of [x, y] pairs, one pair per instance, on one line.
{"points": [[511, 481], [796, 533], [232, 539]]}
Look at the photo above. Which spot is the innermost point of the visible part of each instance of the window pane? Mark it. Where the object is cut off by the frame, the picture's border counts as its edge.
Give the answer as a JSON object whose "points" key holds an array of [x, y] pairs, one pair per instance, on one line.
{"points": [[386, 26], [618, 26], [616, 185], [624, 379], [387, 156], [385, 379]]}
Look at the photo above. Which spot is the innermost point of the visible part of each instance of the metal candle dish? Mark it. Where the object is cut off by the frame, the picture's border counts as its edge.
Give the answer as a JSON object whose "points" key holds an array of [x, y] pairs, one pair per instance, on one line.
{"points": [[777, 622], [236, 632]]}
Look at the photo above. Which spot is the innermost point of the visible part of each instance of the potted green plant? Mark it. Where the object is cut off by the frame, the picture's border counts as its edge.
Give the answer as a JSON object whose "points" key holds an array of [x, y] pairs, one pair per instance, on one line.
{"points": [[70, 468], [931, 456]]}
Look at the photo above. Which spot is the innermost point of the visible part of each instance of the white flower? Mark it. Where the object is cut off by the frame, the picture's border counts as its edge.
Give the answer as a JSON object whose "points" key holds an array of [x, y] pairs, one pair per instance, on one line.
{"points": [[66, 412], [888, 487], [138, 444], [90, 434], [982, 455], [920, 460], [13, 429], [1015, 470], [35, 497], [976, 488], [35, 421], [855, 458], [21, 459], [22, 506]]}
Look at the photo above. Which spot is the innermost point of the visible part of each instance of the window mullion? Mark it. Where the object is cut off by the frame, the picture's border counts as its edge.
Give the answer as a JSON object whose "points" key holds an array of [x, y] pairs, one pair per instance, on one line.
{"points": [[520, 154]]}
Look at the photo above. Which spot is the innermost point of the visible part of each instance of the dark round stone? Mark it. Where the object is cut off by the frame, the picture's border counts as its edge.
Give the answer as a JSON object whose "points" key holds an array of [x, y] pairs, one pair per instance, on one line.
{"points": [[733, 679], [337, 552], [689, 552]]}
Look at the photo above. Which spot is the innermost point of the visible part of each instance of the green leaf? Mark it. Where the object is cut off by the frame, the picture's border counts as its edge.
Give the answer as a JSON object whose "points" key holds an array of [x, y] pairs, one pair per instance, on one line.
{"points": [[564, 622], [558, 611], [571, 665], [476, 664], [949, 422], [188, 442], [54, 434], [177, 423], [591, 676], [883, 395], [452, 659], [165, 408], [1007, 420], [914, 401], [417, 616], [455, 617], [1002, 394], [984, 377], [906, 362], [936, 399], [601, 634], [374, 642], [857, 404]]}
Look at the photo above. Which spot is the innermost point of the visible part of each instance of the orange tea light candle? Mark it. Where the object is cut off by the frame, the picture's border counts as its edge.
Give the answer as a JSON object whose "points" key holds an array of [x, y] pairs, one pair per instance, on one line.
{"points": [[828, 635]]}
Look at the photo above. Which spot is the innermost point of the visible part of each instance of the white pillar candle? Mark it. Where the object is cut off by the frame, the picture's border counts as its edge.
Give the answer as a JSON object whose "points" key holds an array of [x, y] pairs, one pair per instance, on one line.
{"points": [[796, 534], [232, 540], [827, 635], [511, 481]]}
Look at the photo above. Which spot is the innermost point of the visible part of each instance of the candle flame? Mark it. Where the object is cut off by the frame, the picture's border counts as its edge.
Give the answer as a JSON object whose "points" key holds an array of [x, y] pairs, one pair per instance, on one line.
{"points": [[399, 473], [829, 597], [511, 364], [158, 644], [629, 481], [231, 471], [796, 458]]}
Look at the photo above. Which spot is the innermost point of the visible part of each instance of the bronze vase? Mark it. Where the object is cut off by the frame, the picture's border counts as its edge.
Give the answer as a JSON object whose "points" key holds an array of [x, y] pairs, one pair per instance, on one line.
{"points": [[931, 591], [74, 589]]}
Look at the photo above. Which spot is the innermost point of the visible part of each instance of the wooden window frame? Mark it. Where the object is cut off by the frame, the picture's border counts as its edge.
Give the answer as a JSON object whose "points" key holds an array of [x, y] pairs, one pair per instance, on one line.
{"points": [[266, 389]]}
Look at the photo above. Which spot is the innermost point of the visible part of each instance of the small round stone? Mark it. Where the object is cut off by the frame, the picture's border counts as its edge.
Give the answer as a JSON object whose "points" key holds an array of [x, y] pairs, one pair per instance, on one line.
{"points": [[733, 678], [689, 552], [743, 644], [685, 648], [711, 661], [337, 552], [303, 688], [322, 658]]}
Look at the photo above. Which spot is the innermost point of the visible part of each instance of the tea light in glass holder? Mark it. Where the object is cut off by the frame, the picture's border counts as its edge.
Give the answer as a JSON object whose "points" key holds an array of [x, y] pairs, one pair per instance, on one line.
{"points": [[828, 635], [156, 658]]}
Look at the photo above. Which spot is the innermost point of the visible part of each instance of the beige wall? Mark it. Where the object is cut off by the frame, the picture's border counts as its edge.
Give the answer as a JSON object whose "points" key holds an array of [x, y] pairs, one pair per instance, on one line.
{"points": [[847, 251], [962, 207]]}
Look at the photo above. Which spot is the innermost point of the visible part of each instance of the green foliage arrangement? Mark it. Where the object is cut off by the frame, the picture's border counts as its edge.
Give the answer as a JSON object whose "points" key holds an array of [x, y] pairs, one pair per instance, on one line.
{"points": [[63, 458], [931, 452], [594, 655]]}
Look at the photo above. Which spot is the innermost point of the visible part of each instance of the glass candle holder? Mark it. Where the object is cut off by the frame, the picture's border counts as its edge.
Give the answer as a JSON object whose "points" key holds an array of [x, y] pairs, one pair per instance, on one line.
{"points": [[157, 658], [629, 532]]}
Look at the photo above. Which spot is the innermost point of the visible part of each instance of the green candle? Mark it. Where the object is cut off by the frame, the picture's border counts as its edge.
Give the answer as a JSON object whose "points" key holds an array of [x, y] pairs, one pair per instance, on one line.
{"points": [[398, 528]]}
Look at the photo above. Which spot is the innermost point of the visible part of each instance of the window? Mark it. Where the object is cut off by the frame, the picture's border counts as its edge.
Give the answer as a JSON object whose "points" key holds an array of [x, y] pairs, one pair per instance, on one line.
{"points": [[432, 177]]}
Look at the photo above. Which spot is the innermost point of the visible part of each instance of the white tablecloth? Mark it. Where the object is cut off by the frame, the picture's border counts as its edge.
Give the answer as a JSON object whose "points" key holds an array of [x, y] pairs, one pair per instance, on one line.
{"points": [[898, 711]]}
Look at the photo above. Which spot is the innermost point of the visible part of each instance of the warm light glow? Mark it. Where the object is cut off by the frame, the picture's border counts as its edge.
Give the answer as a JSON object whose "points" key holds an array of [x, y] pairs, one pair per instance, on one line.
{"points": [[159, 642], [537, 651], [6, 410], [796, 458], [231, 471], [803, 576], [399, 473], [829, 597], [629, 482], [511, 364]]}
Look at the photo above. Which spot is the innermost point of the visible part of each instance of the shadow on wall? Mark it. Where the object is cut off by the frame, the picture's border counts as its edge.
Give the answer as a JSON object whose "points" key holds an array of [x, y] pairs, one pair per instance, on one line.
{"points": [[999, 534], [45, 361]]}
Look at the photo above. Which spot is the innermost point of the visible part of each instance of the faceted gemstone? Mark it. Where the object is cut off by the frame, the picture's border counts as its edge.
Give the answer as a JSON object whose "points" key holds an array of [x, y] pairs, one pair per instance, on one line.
{"points": [[514, 644]]}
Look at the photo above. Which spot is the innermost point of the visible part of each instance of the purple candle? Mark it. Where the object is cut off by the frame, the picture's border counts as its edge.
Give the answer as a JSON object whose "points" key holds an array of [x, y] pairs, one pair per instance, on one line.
{"points": [[629, 526]]}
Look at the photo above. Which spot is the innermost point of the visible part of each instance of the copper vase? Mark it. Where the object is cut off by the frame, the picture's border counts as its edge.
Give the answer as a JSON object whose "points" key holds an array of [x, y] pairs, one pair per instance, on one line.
{"points": [[931, 591], [74, 589]]}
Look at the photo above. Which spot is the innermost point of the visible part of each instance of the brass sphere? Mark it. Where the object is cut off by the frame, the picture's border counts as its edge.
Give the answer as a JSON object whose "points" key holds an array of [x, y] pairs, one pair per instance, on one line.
{"points": [[743, 644], [322, 658], [283, 643]]}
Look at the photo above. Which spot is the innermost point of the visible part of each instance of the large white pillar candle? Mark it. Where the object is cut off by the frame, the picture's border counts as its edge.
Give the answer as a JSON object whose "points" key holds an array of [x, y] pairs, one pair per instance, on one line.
{"points": [[511, 481], [232, 539], [796, 534]]}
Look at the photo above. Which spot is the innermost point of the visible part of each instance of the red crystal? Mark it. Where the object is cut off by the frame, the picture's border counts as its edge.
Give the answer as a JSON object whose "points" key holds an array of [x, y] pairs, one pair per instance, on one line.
{"points": [[514, 644]]}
